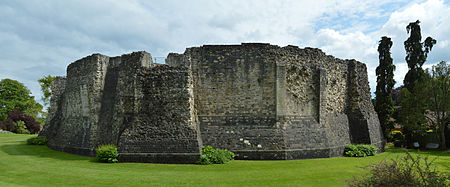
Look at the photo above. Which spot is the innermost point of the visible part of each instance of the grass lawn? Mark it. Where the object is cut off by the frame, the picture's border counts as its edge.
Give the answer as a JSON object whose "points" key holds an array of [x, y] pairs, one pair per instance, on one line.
{"points": [[27, 165]]}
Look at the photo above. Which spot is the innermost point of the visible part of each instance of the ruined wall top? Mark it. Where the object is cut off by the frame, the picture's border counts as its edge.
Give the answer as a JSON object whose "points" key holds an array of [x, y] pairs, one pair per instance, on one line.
{"points": [[307, 53]]}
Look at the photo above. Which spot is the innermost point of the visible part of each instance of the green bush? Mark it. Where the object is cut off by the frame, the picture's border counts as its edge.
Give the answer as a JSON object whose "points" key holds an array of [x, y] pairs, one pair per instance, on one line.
{"points": [[40, 140], [397, 138], [20, 127], [360, 150], [215, 156], [107, 153], [404, 171]]}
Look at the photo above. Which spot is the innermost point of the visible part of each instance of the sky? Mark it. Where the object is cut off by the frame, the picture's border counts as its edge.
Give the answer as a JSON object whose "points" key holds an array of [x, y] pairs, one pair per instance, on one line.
{"points": [[42, 37]]}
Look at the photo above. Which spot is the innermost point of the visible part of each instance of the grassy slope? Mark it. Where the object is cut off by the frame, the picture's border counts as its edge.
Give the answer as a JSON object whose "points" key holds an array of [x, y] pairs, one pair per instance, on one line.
{"points": [[22, 164]]}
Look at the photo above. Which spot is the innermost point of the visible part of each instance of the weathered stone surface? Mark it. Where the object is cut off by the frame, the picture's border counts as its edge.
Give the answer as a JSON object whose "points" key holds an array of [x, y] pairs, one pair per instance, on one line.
{"points": [[163, 128], [125, 101], [258, 100]]}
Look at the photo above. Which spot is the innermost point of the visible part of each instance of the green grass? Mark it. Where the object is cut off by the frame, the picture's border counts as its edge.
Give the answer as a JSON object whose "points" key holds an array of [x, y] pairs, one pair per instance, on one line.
{"points": [[30, 165]]}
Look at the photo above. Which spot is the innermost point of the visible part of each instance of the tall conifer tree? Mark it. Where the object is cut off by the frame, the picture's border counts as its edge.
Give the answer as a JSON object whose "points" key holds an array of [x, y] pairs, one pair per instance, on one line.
{"points": [[413, 99], [416, 54], [384, 105]]}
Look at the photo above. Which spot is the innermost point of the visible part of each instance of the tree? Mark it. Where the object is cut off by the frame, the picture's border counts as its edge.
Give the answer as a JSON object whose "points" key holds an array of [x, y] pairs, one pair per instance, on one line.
{"points": [[384, 105], [416, 54], [29, 123], [413, 102], [2, 126], [440, 99], [14, 95], [46, 83], [411, 115]]}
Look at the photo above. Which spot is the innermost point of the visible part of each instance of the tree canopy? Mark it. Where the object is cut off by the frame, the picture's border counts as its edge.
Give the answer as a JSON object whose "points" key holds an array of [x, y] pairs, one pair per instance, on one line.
{"points": [[14, 95], [30, 124], [46, 88], [440, 99], [416, 54], [412, 112]]}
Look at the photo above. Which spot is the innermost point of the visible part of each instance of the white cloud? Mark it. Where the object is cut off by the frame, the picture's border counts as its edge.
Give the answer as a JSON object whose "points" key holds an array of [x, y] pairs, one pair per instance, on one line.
{"points": [[348, 45], [353, 43], [43, 37], [435, 22]]}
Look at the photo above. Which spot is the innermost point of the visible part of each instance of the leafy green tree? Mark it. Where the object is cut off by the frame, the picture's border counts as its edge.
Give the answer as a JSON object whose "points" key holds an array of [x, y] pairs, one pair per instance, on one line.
{"points": [[384, 105], [416, 54], [14, 95], [411, 115], [440, 98], [413, 102], [46, 83]]}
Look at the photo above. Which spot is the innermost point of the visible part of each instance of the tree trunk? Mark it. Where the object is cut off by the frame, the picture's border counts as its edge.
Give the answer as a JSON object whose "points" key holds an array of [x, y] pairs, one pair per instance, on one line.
{"points": [[442, 128]]}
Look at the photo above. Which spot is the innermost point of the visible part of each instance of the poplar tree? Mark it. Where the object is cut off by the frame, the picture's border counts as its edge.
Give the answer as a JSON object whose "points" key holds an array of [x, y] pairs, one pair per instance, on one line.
{"points": [[384, 105], [413, 98]]}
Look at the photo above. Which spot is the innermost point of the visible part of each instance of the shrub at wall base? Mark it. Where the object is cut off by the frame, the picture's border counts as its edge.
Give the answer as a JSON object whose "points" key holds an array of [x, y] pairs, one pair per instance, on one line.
{"points": [[107, 154], [360, 150], [215, 156], [40, 140]]}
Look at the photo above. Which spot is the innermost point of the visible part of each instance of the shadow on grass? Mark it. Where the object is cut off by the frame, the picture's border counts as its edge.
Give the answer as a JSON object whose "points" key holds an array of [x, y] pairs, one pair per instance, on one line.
{"points": [[418, 151], [22, 149]]}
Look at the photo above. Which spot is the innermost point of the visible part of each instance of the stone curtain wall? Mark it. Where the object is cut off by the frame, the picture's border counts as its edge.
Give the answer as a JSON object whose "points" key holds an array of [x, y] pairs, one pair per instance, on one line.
{"points": [[305, 89], [303, 76], [315, 123], [111, 100], [235, 98], [258, 100], [162, 130], [232, 80]]}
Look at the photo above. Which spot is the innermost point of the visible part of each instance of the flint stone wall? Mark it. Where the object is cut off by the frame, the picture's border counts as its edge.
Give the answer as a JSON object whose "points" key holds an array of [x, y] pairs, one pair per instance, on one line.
{"points": [[163, 129], [268, 102], [126, 101], [258, 100]]}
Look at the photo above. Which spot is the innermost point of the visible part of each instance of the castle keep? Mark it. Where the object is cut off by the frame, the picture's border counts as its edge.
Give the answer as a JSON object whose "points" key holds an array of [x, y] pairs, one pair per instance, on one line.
{"points": [[260, 101]]}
